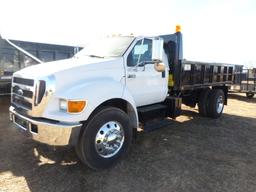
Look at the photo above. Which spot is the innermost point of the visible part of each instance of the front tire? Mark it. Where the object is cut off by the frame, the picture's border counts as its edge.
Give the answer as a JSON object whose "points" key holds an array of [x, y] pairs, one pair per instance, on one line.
{"points": [[215, 103], [105, 138]]}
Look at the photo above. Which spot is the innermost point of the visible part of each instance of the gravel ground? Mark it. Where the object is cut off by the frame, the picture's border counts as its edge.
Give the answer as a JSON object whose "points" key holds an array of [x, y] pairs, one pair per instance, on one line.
{"points": [[189, 154]]}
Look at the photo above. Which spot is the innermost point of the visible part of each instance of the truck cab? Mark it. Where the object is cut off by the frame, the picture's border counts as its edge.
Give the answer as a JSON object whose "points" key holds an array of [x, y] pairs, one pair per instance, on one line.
{"points": [[97, 100]]}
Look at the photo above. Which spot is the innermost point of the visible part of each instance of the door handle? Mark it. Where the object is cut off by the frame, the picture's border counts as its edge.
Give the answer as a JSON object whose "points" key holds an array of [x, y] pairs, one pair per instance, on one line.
{"points": [[131, 76]]}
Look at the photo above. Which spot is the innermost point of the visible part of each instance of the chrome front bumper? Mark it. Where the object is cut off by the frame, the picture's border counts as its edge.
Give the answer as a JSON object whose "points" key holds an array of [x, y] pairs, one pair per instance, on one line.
{"points": [[45, 131]]}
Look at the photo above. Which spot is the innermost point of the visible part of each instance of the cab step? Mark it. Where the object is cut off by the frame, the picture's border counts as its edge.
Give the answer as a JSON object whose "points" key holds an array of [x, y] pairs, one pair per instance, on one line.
{"points": [[151, 112]]}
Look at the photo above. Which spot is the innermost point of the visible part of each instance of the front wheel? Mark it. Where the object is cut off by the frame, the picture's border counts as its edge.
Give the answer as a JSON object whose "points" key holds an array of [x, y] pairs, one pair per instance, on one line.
{"points": [[105, 138]]}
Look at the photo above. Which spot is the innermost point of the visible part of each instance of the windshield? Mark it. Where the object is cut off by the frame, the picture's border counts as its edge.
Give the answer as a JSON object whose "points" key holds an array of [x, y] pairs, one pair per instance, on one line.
{"points": [[107, 47]]}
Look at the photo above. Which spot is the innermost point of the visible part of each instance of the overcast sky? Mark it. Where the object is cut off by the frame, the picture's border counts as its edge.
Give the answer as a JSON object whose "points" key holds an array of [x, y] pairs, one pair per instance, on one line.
{"points": [[213, 30]]}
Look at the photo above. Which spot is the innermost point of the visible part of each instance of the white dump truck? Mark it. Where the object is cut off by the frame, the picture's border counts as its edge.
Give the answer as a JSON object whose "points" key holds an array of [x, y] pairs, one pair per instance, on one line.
{"points": [[97, 100]]}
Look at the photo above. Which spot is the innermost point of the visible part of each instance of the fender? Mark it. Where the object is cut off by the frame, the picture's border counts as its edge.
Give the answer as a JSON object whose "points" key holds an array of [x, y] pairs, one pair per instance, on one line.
{"points": [[95, 92], [132, 109]]}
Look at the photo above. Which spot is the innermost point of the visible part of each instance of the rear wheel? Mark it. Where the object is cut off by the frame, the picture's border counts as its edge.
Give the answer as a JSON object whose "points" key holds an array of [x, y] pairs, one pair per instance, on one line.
{"points": [[106, 137], [215, 103], [202, 102], [249, 95]]}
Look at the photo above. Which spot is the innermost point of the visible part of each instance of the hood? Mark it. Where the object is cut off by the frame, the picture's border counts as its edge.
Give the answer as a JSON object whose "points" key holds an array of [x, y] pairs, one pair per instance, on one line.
{"points": [[49, 68]]}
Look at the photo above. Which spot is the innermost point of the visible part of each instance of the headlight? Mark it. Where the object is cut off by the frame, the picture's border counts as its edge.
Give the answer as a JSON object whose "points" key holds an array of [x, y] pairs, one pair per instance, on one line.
{"points": [[72, 106], [63, 105]]}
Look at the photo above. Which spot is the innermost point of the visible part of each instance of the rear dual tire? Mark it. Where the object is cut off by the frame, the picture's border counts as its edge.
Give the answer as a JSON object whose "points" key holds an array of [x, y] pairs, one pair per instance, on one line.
{"points": [[211, 103], [203, 102], [215, 103]]}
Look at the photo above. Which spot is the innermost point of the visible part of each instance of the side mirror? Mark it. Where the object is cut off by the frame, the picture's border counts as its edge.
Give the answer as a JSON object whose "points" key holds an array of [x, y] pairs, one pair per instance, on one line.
{"points": [[157, 50], [159, 67]]}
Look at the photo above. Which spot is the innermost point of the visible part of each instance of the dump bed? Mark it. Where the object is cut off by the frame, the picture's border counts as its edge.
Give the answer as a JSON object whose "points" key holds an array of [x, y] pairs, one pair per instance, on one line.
{"points": [[189, 75], [195, 74]]}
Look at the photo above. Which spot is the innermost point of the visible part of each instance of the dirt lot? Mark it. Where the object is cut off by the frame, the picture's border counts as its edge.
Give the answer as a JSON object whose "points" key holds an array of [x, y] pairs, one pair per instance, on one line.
{"points": [[190, 154]]}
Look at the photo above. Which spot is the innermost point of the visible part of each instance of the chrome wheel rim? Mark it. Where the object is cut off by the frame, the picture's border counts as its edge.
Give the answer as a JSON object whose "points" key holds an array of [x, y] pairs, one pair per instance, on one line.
{"points": [[109, 139], [220, 104]]}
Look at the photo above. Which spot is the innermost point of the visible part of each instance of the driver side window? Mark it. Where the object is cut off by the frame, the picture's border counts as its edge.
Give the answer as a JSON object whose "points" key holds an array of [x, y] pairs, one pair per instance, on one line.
{"points": [[141, 53]]}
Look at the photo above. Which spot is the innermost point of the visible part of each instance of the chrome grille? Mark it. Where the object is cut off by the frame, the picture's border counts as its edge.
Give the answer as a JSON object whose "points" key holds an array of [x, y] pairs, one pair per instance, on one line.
{"points": [[16, 89], [30, 96], [29, 82], [23, 92], [21, 102], [27, 93]]}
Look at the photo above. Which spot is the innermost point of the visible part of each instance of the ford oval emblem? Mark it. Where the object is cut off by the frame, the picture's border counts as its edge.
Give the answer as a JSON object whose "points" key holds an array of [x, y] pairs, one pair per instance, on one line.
{"points": [[20, 92]]}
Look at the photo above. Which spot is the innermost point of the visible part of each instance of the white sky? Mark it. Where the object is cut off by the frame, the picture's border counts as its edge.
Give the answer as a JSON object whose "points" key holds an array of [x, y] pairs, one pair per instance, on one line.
{"points": [[213, 30]]}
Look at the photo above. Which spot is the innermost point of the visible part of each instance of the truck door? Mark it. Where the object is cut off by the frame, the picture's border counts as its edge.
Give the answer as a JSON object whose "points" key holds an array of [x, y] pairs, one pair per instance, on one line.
{"points": [[146, 85]]}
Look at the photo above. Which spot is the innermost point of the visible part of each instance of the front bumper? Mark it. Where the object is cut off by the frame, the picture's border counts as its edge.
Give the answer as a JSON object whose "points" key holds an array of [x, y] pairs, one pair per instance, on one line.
{"points": [[47, 131]]}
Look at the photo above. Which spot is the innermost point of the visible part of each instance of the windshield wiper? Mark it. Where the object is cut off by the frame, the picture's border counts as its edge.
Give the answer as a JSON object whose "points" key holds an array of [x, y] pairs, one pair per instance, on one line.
{"points": [[96, 56]]}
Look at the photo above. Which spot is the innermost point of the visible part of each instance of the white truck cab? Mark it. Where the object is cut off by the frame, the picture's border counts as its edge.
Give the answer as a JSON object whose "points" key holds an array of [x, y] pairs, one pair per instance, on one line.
{"points": [[56, 101]]}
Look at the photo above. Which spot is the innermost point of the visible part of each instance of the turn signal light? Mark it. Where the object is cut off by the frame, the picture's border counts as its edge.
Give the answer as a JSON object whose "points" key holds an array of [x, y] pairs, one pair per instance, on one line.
{"points": [[76, 106]]}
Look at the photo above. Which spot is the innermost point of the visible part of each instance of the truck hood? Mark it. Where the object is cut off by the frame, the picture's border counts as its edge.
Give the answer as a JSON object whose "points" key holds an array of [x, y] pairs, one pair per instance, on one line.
{"points": [[51, 68]]}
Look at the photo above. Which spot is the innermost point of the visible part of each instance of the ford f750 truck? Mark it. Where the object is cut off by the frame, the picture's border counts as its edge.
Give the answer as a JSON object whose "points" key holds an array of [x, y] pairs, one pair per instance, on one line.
{"points": [[97, 100]]}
